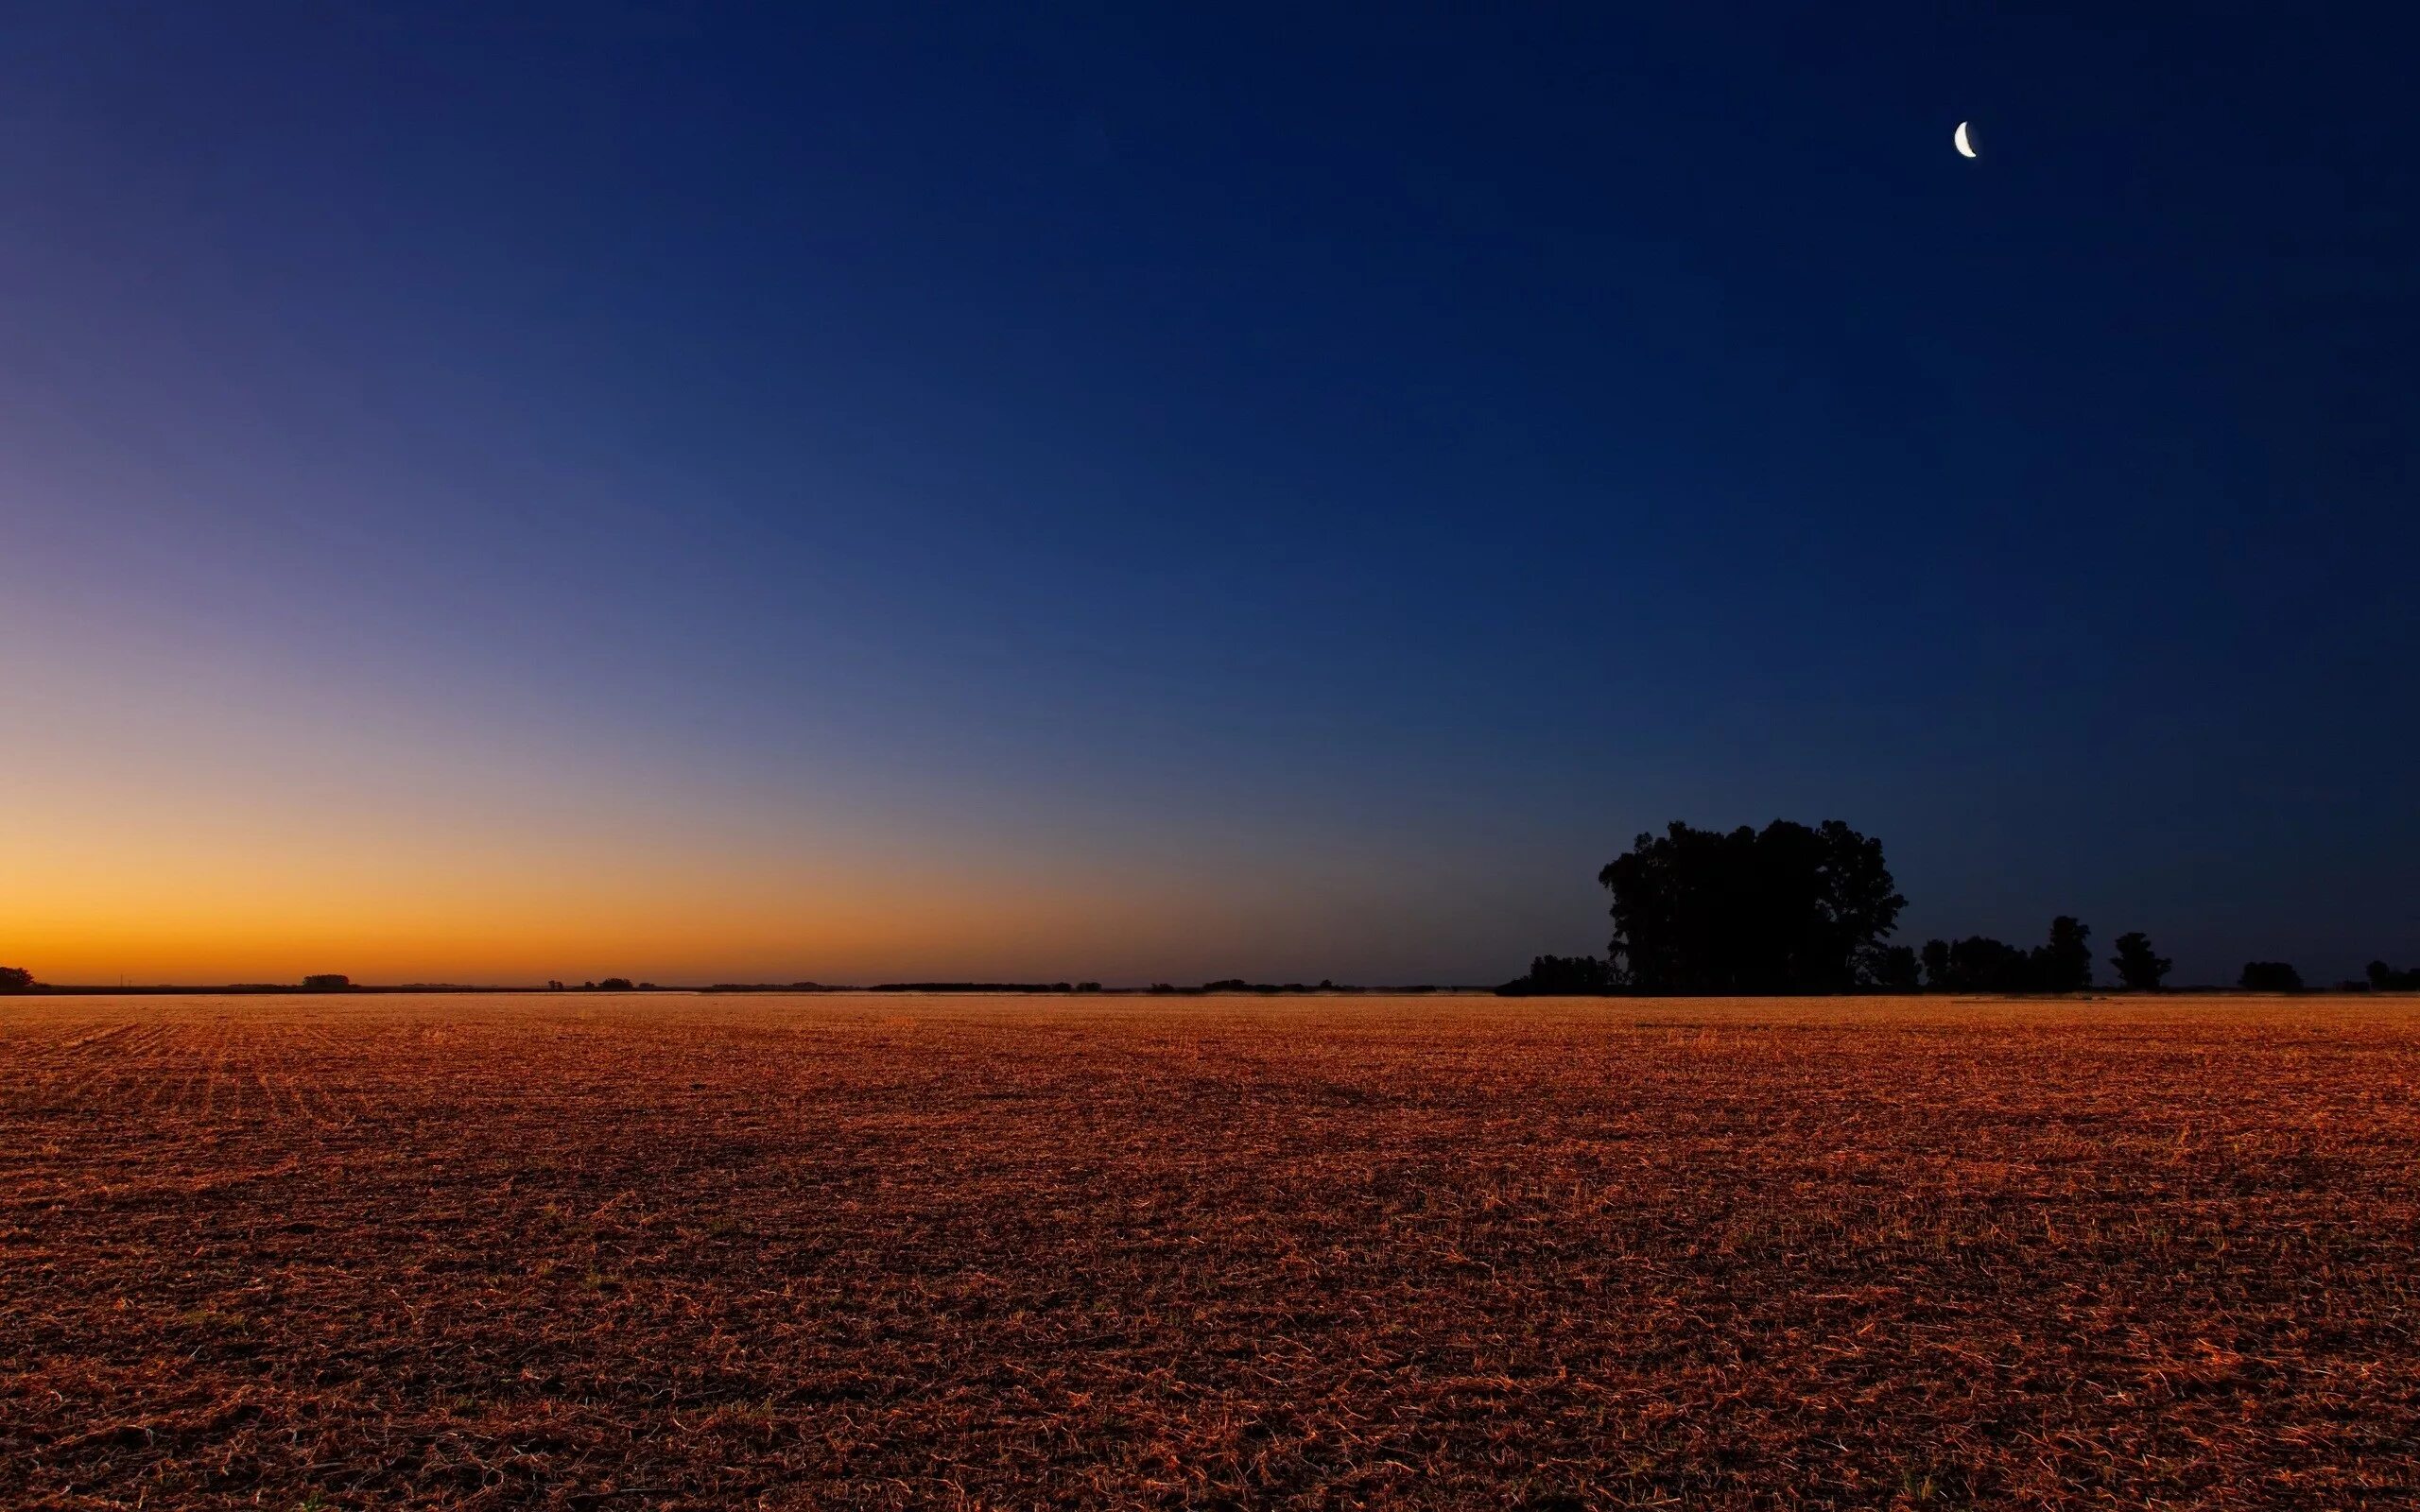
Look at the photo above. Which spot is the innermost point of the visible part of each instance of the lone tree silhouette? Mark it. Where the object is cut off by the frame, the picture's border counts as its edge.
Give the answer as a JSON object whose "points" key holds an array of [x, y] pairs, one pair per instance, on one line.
{"points": [[2138, 969], [15, 979], [1784, 909], [2269, 976]]}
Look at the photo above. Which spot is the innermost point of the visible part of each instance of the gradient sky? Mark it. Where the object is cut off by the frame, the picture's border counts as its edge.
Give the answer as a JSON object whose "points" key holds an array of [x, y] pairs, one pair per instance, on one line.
{"points": [[710, 492]]}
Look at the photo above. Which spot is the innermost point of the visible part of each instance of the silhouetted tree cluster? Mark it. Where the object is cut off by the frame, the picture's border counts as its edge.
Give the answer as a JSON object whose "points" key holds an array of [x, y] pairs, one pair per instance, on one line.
{"points": [[2140, 968], [15, 979], [1573, 977], [326, 982], [1781, 909], [1792, 909], [1895, 970], [1977, 964], [2062, 963], [614, 984], [2385, 978], [2269, 976]]}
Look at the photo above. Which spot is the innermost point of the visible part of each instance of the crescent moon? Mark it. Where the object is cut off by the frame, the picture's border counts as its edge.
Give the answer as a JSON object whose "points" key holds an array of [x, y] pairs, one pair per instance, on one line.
{"points": [[1959, 138]]}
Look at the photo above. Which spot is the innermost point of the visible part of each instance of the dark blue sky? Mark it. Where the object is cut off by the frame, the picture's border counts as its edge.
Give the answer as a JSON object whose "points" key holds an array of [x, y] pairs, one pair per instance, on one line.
{"points": [[1353, 472]]}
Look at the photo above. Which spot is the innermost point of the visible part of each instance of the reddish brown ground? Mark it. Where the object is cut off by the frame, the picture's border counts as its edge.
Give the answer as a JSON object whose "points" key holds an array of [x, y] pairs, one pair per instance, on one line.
{"points": [[871, 1253]]}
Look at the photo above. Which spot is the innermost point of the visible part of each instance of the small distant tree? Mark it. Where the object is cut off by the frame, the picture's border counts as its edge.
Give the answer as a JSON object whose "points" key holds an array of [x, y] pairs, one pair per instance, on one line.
{"points": [[615, 983], [15, 979], [2139, 969], [2063, 962], [326, 982], [2269, 976]]}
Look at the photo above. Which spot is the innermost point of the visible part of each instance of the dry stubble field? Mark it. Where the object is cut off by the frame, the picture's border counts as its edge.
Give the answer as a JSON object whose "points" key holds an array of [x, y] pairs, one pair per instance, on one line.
{"points": [[853, 1251]]}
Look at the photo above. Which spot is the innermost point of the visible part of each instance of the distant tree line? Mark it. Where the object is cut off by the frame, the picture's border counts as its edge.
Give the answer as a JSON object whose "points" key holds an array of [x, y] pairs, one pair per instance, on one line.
{"points": [[979, 986], [1786, 909], [2062, 963], [761, 987], [1562, 976], [1791, 909], [1236, 984]]}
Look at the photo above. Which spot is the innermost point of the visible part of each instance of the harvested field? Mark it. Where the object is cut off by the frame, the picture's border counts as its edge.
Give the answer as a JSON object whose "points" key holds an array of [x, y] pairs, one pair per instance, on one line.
{"points": [[590, 1251]]}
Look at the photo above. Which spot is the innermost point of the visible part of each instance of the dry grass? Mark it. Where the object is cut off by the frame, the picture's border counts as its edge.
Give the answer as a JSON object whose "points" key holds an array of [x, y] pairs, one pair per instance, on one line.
{"points": [[880, 1252]]}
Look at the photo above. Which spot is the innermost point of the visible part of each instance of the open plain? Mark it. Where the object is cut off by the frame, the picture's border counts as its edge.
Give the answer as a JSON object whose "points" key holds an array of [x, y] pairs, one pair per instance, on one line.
{"points": [[583, 1250]]}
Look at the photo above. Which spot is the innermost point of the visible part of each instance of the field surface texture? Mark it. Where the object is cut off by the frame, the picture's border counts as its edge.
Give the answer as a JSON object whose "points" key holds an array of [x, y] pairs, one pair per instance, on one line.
{"points": [[597, 1251]]}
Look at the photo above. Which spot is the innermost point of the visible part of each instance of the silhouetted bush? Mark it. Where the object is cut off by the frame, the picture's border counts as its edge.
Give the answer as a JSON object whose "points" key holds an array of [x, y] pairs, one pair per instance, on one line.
{"points": [[2139, 969], [15, 979], [326, 982], [2269, 976], [1561, 977], [1784, 909]]}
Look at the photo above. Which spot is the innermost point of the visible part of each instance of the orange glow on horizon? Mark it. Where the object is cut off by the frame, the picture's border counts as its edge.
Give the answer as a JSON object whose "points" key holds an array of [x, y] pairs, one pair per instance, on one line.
{"points": [[179, 816]]}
